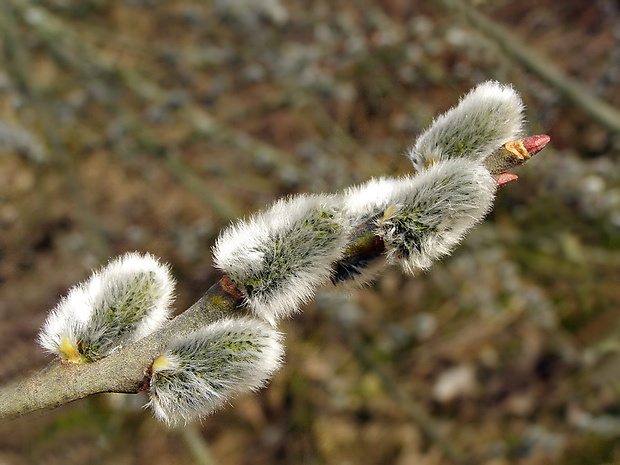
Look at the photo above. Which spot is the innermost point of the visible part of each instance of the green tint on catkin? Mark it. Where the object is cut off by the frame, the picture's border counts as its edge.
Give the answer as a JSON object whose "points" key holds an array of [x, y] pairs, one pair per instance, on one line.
{"points": [[429, 218], [200, 372], [485, 119], [119, 304], [278, 257]]}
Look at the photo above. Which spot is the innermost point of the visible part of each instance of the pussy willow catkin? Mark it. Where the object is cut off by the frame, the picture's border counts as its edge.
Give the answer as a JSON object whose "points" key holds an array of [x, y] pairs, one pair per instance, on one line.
{"points": [[119, 304]]}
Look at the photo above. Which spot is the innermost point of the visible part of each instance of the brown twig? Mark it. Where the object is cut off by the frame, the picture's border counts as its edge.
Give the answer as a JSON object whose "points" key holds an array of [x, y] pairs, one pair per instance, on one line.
{"points": [[520, 52]]}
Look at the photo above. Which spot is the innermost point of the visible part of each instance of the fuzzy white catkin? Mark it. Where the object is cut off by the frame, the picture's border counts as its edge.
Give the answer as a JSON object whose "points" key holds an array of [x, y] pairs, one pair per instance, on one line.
{"points": [[200, 372], [124, 301], [421, 218], [278, 257], [485, 119]]}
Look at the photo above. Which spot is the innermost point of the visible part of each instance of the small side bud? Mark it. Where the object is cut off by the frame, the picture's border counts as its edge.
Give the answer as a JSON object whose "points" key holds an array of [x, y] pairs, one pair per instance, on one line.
{"points": [[486, 118], [421, 218], [200, 372], [123, 302], [278, 257], [504, 178]]}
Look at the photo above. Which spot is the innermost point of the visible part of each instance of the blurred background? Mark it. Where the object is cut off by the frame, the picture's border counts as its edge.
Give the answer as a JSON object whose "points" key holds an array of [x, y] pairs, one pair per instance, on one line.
{"points": [[150, 125]]}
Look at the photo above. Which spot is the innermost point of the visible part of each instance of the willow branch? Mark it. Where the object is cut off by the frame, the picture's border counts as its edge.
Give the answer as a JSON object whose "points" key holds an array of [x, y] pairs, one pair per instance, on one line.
{"points": [[125, 371]]}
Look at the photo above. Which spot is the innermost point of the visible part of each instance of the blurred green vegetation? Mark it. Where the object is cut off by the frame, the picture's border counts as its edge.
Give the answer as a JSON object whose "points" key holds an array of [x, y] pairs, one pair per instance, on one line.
{"points": [[150, 125]]}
